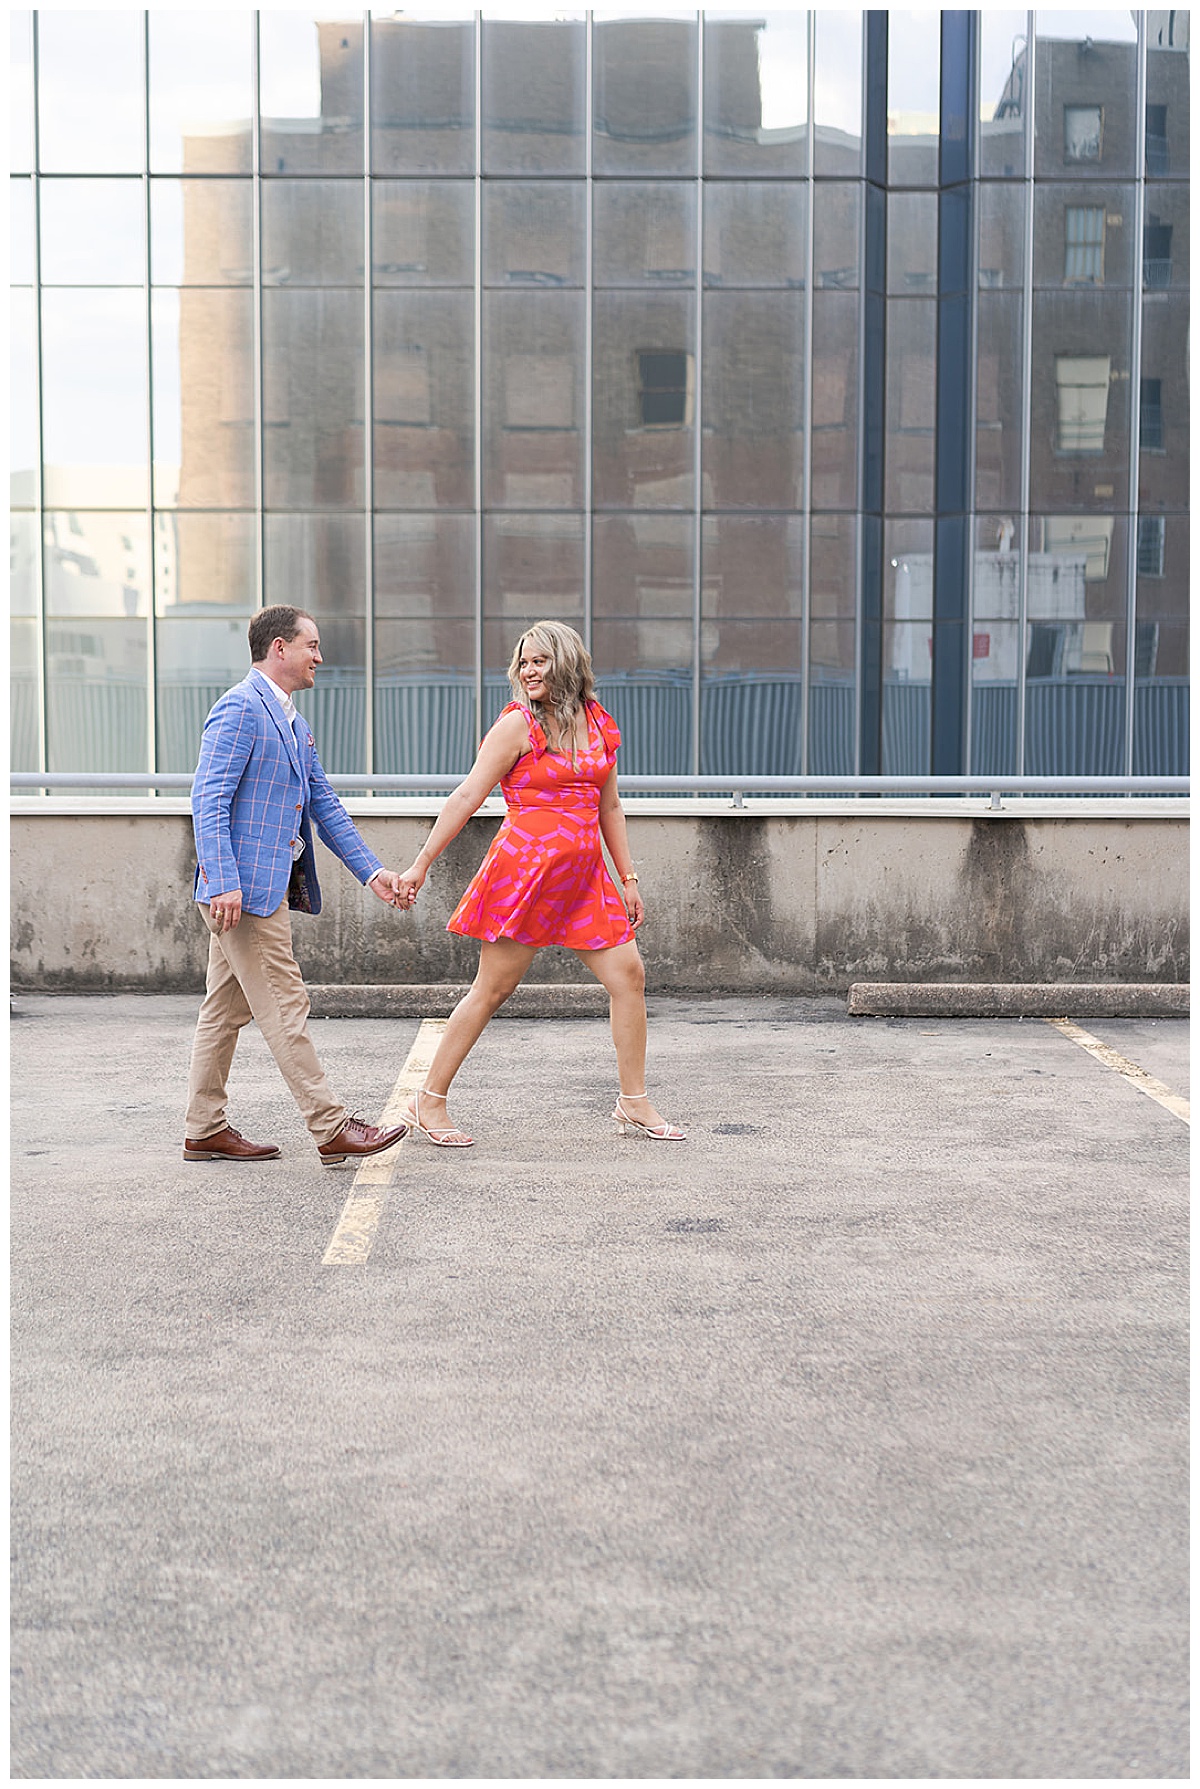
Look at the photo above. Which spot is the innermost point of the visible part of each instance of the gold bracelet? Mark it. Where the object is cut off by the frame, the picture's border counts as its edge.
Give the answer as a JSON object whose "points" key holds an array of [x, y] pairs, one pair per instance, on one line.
{"points": [[632, 877]]}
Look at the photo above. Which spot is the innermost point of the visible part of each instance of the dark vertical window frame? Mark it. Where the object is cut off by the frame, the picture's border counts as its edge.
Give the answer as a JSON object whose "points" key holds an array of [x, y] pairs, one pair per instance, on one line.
{"points": [[39, 470], [874, 389], [952, 452]]}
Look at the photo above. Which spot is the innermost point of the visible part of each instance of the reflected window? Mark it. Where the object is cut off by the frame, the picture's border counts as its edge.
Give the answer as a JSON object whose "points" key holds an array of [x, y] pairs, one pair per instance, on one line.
{"points": [[422, 96], [1083, 129], [1158, 159], [1151, 419], [1150, 540], [1156, 253], [664, 389], [1082, 382], [1084, 244]]}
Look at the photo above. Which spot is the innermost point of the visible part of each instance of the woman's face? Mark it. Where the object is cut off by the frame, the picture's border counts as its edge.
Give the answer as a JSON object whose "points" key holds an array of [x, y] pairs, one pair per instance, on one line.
{"points": [[533, 668]]}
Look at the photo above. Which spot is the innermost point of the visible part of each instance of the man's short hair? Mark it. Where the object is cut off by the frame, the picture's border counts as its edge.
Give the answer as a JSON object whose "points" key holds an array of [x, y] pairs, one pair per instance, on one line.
{"points": [[281, 622]]}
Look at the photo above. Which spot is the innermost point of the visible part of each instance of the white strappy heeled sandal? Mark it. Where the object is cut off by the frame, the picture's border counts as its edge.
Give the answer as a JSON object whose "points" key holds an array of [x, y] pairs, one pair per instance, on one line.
{"points": [[442, 1136], [661, 1133]]}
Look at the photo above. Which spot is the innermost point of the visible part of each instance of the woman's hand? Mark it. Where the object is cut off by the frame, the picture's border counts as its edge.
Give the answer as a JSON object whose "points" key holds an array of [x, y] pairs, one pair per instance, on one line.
{"points": [[633, 904], [408, 883]]}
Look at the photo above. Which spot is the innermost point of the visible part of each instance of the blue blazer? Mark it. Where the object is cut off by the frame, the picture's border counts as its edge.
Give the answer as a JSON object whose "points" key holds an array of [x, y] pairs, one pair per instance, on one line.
{"points": [[258, 786]]}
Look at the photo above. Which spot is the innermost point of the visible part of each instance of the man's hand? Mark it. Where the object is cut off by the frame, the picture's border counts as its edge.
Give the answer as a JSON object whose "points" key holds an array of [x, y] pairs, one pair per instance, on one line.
{"points": [[391, 888], [226, 910]]}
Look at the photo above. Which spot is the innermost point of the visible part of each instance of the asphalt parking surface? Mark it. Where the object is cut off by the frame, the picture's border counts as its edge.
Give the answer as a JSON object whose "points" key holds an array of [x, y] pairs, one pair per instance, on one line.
{"points": [[845, 1439]]}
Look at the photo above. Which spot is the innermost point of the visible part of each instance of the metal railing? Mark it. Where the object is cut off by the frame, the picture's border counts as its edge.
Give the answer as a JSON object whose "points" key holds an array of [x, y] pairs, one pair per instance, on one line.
{"points": [[737, 786]]}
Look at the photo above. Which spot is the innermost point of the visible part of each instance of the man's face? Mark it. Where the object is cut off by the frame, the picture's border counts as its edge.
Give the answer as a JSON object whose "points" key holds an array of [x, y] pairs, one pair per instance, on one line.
{"points": [[294, 662]]}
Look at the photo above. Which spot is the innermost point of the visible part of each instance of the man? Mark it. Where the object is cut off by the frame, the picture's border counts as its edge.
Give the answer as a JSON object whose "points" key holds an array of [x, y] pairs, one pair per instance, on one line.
{"points": [[258, 782]]}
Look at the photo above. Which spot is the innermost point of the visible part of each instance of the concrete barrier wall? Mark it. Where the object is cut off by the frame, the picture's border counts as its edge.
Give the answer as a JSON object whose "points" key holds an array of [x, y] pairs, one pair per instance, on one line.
{"points": [[786, 903]]}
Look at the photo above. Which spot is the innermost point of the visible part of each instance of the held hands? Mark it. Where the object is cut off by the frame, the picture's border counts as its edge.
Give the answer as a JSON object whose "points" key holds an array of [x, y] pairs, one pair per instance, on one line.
{"points": [[393, 888]]}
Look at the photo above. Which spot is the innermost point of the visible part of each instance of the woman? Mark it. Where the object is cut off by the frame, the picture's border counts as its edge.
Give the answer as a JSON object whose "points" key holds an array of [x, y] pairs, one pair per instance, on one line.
{"points": [[544, 880]]}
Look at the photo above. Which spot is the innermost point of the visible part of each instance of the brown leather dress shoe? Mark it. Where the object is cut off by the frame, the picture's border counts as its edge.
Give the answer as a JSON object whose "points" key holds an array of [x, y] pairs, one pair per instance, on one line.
{"points": [[228, 1146], [357, 1139]]}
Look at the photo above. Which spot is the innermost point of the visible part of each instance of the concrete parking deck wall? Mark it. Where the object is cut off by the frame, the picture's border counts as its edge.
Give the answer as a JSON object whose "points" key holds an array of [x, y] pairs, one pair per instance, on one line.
{"points": [[788, 898]]}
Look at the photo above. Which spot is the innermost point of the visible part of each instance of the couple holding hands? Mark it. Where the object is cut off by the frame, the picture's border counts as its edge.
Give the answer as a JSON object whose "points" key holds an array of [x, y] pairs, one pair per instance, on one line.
{"points": [[259, 785]]}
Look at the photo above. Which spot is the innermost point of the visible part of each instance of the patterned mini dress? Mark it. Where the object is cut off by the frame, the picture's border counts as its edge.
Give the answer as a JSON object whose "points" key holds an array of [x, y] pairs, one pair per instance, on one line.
{"points": [[544, 879]]}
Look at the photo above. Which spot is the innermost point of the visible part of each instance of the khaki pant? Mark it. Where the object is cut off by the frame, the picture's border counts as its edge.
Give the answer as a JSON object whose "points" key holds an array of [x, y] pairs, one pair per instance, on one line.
{"points": [[252, 974]]}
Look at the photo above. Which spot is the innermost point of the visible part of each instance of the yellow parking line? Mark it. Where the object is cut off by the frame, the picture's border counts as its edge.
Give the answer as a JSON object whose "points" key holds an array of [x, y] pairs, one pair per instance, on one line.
{"points": [[352, 1239], [1137, 1077]]}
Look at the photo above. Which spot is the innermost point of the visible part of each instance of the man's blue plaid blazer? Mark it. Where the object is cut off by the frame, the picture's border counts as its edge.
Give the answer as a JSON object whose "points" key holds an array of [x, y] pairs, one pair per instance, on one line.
{"points": [[257, 787]]}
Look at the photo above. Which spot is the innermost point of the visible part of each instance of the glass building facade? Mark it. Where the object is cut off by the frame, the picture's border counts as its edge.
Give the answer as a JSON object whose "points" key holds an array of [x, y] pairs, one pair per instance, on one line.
{"points": [[828, 371]]}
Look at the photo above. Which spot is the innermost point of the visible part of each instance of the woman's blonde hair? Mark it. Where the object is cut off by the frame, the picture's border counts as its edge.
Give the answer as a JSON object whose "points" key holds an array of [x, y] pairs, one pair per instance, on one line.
{"points": [[569, 680]]}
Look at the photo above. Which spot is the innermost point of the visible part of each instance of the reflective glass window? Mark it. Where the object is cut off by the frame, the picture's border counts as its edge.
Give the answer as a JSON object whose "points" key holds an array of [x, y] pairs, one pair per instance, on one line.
{"points": [[312, 233], [533, 97], [204, 398], [750, 644], [24, 654], [22, 562], [645, 233], [838, 103], [835, 370], [1075, 645], [995, 645], [533, 233], [642, 633], [1086, 91], [1082, 238], [311, 92], [912, 243], [532, 568], [22, 397], [96, 693], [911, 404], [914, 70], [836, 225], [1168, 96], [1003, 82], [1001, 212], [201, 232], [644, 108], [756, 93], [197, 657], [907, 648], [201, 91], [93, 232], [907, 569], [22, 232], [999, 406], [424, 400], [423, 232], [1166, 238], [91, 112], [422, 96], [832, 645], [1164, 401], [94, 397], [1080, 398], [643, 403], [20, 71], [205, 561], [424, 643], [831, 575], [533, 400], [313, 398], [318, 562], [1160, 654], [97, 563], [753, 400], [755, 233]]}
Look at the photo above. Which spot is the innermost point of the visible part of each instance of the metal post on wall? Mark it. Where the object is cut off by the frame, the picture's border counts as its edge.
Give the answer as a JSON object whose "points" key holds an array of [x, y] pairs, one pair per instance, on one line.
{"points": [[806, 472], [368, 416], [1135, 393], [256, 313], [1030, 192], [151, 600], [698, 409], [39, 490], [478, 467]]}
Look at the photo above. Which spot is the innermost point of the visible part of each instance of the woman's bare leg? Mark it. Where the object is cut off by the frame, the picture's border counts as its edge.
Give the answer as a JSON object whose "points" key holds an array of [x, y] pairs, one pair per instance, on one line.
{"points": [[501, 967], [621, 972]]}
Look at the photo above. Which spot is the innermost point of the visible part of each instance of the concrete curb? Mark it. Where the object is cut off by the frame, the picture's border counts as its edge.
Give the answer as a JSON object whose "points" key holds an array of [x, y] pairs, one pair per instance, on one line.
{"points": [[437, 1000], [1019, 1000]]}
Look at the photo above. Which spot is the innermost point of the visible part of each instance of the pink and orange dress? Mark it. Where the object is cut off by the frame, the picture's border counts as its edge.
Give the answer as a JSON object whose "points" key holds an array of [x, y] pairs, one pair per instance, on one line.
{"points": [[544, 879]]}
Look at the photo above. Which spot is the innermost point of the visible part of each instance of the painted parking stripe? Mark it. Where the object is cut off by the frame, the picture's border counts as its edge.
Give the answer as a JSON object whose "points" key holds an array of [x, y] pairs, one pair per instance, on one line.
{"points": [[1120, 1065], [356, 1228]]}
